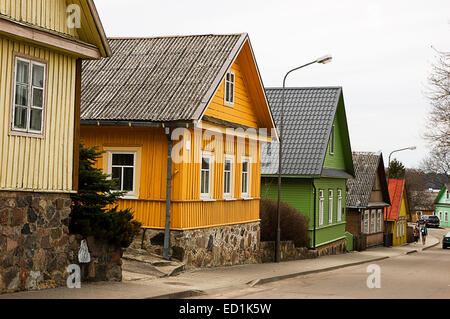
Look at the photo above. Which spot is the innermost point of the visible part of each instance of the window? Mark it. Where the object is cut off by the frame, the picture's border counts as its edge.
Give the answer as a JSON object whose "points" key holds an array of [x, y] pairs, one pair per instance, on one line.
{"points": [[372, 221], [29, 96], [366, 222], [339, 208], [446, 217], [398, 230], [379, 220], [228, 178], [123, 169], [205, 177], [330, 206], [229, 88], [321, 204], [448, 194], [245, 178], [332, 140]]}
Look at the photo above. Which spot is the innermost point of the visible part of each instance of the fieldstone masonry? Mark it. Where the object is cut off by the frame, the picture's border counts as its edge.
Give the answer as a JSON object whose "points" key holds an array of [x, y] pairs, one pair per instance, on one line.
{"points": [[206, 247], [36, 247]]}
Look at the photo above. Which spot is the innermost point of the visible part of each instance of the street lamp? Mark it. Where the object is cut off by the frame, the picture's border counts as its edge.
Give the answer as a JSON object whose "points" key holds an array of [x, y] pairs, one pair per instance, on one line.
{"points": [[322, 60], [411, 148]]}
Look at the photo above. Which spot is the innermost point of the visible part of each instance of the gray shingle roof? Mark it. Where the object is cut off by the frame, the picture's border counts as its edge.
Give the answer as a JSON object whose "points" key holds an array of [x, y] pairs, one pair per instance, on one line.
{"points": [[158, 79], [308, 118], [360, 188]]}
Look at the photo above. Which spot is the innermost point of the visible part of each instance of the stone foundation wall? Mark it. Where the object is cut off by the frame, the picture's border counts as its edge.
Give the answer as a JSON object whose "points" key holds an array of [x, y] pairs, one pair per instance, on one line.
{"points": [[36, 247], [288, 251], [207, 247], [335, 248]]}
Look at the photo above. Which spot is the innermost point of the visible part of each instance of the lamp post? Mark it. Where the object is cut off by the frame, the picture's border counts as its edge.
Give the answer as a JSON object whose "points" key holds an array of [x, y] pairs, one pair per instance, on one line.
{"points": [[411, 148], [322, 60]]}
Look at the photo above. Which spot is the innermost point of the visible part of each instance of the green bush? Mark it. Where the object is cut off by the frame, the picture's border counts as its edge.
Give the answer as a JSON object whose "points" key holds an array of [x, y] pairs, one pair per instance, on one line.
{"points": [[293, 225], [90, 214]]}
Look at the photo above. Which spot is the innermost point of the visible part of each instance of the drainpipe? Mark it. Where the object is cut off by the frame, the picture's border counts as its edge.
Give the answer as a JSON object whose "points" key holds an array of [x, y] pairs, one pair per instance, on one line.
{"points": [[166, 250], [314, 212]]}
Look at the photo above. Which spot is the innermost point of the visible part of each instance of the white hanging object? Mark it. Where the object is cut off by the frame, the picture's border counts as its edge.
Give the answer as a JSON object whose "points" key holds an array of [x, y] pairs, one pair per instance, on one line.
{"points": [[83, 254]]}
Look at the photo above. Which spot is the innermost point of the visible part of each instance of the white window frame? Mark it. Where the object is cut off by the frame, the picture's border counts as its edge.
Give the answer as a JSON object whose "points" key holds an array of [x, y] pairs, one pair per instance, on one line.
{"points": [[249, 167], [332, 139], [339, 206], [404, 228], [366, 221], [373, 219], [210, 158], [379, 220], [321, 206], [446, 217], [131, 193], [330, 206], [229, 84], [31, 62], [230, 194]]}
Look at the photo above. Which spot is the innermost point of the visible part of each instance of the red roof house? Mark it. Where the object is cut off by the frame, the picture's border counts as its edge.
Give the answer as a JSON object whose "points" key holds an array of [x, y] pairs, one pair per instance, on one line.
{"points": [[397, 212]]}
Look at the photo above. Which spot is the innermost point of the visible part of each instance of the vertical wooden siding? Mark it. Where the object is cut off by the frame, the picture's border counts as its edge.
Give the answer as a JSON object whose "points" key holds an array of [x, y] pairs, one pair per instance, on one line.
{"points": [[243, 110], [47, 14], [188, 211], [28, 163]]}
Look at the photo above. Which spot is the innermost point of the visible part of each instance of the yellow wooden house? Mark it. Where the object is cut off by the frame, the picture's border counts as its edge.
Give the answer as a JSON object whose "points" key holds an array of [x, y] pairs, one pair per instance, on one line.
{"points": [[42, 45], [396, 215], [183, 116]]}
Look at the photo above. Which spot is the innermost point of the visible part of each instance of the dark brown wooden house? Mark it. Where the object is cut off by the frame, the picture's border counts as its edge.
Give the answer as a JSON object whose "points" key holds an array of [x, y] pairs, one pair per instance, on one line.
{"points": [[367, 197]]}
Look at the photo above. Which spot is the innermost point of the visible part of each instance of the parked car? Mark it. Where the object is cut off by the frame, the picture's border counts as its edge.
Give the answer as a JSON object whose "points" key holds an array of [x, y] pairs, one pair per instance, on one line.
{"points": [[429, 220], [446, 241]]}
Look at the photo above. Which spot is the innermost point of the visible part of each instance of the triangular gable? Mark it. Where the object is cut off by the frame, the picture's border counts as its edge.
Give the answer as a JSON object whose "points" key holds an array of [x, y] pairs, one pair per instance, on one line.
{"points": [[441, 194], [251, 108], [91, 30], [342, 157], [381, 176]]}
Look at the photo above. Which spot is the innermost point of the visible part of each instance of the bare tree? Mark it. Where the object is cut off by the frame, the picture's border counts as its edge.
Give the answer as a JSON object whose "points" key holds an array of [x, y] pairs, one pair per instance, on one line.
{"points": [[438, 121], [438, 161]]}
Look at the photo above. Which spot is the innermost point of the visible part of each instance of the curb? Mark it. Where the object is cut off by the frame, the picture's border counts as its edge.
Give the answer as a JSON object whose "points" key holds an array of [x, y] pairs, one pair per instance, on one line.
{"points": [[434, 245], [262, 281], [180, 294]]}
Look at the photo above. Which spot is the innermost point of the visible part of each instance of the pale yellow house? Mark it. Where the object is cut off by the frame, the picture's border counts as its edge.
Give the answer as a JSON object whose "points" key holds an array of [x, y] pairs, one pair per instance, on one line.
{"points": [[396, 215], [42, 45]]}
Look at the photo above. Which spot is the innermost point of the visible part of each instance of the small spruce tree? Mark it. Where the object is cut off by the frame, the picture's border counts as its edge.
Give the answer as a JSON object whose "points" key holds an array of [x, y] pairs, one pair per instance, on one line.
{"points": [[396, 170], [94, 209]]}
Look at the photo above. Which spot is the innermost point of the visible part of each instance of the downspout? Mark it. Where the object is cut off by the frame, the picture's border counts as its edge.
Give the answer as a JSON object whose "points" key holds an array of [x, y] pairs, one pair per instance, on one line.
{"points": [[166, 250], [314, 212]]}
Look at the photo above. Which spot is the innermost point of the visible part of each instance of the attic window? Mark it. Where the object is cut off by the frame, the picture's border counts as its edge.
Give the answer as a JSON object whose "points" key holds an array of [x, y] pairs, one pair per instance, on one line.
{"points": [[332, 140], [229, 88]]}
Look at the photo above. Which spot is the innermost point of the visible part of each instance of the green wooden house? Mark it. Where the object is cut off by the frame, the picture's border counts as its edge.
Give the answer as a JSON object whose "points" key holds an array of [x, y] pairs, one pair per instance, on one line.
{"points": [[317, 159], [442, 205]]}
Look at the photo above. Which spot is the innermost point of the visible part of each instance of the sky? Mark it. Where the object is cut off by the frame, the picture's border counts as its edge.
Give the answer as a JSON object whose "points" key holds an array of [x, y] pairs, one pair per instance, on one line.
{"points": [[382, 52]]}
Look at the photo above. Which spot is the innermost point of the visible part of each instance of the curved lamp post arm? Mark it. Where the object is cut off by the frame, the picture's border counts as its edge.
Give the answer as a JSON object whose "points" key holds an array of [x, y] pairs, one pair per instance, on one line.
{"points": [[323, 60]]}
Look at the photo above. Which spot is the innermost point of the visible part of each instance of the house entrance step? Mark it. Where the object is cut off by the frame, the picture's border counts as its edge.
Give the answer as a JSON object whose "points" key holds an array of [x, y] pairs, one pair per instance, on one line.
{"points": [[140, 262]]}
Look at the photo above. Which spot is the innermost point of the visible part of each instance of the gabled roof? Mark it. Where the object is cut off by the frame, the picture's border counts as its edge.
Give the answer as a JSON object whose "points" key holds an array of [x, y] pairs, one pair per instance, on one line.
{"points": [[309, 114], [396, 190], [102, 41], [160, 79], [367, 166], [422, 200], [445, 187]]}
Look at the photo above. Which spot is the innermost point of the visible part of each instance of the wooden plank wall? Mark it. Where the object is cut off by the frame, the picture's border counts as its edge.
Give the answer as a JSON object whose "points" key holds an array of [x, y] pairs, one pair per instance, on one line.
{"points": [[47, 14], [188, 211], [28, 163]]}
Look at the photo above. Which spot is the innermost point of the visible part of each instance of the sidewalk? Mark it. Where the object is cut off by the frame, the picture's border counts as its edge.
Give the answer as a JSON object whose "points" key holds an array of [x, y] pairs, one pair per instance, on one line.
{"points": [[213, 280]]}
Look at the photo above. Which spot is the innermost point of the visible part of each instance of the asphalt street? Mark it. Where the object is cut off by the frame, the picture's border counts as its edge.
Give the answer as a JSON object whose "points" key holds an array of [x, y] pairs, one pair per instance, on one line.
{"points": [[422, 275]]}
